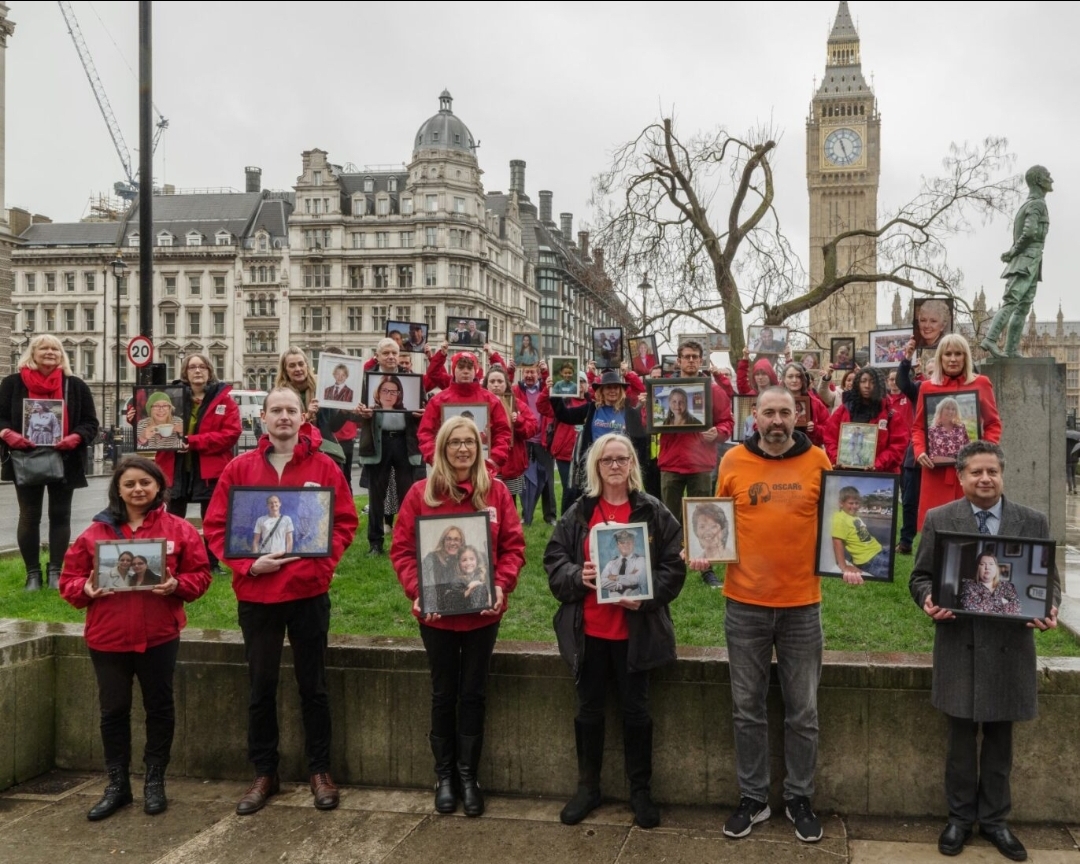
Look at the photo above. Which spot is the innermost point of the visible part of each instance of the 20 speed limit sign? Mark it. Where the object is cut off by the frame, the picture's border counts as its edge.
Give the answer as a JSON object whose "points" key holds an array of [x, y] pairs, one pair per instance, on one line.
{"points": [[140, 351]]}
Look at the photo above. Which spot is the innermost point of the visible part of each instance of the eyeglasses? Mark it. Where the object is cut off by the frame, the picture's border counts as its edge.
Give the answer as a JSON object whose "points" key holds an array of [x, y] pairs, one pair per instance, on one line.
{"points": [[615, 461], [197, 367], [389, 391], [461, 444]]}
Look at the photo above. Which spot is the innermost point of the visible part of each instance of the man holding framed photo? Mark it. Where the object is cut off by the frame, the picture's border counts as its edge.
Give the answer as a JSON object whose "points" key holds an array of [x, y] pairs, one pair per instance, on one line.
{"points": [[984, 669]]}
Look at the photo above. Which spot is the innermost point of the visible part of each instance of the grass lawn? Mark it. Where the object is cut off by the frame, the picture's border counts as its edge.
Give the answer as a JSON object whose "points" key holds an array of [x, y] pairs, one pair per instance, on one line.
{"points": [[367, 600]]}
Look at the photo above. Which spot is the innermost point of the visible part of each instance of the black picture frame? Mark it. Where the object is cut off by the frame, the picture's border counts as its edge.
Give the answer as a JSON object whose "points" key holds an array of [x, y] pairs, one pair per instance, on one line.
{"points": [[106, 569], [443, 587], [838, 359], [669, 364], [467, 332], [1030, 594], [409, 330], [943, 449], [879, 495], [642, 365], [304, 512], [937, 322], [150, 423], [698, 392], [521, 359], [607, 345], [742, 412], [412, 390]]}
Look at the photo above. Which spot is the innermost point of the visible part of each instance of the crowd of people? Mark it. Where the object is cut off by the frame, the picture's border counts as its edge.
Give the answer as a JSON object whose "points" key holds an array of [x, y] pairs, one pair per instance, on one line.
{"points": [[438, 465]]}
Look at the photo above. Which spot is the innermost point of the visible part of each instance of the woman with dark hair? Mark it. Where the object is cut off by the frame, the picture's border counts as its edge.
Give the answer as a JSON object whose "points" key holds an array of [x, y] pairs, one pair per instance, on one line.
{"points": [[389, 394], [866, 403], [136, 634], [141, 574]]}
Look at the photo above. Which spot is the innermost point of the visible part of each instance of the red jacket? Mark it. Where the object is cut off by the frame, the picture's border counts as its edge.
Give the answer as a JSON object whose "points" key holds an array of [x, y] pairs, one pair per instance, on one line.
{"points": [[526, 425], [137, 620], [507, 546], [217, 429], [905, 411], [892, 437], [498, 433], [819, 414], [688, 452], [565, 435], [308, 577]]}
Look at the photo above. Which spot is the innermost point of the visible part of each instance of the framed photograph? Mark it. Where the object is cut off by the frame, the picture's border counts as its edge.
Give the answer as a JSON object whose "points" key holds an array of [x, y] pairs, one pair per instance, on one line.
{"points": [[337, 381], [803, 412], [453, 558], [160, 414], [709, 529], [857, 446], [709, 341], [129, 565], [469, 333], [621, 555], [475, 411], [767, 339], [810, 358], [394, 391], [293, 520], [607, 347], [43, 421], [1012, 550], [669, 364], [411, 336], [742, 411], [564, 373], [857, 523], [933, 319], [679, 404], [643, 354], [526, 349], [970, 580], [952, 420], [842, 352], [887, 347]]}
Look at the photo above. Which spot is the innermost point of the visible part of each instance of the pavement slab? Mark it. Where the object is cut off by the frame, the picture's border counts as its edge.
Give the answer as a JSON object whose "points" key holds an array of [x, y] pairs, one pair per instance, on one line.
{"points": [[877, 852], [682, 847]]}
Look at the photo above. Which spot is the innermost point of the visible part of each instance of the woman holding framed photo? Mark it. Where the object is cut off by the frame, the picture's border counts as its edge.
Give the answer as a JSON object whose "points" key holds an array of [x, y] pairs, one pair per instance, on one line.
{"points": [[136, 634], [459, 647], [622, 640], [866, 402], [523, 422]]}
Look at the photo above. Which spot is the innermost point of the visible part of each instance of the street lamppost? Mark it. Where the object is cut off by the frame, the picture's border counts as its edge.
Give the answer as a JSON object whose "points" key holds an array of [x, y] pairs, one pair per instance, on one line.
{"points": [[118, 268], [644, 288]]}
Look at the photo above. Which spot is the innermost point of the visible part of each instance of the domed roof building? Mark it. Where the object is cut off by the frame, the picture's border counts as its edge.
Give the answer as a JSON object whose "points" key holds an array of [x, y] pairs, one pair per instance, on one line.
{"points": [[445, 130]]}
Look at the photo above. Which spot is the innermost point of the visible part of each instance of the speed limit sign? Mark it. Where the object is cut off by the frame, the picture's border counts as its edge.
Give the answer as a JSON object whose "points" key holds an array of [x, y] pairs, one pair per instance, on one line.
{"points": [[140, 351]]}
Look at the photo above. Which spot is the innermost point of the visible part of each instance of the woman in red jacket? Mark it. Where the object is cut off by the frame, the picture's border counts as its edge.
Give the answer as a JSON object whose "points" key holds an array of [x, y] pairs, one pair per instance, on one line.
{"points": [[459, 648], [797, 381], [522, 420], [867, 402], [564, 438], [953, 372], [136, 633]]}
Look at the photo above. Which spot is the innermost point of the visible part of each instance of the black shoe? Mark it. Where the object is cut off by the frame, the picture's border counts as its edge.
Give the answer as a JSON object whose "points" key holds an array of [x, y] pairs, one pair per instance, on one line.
{"points": [[54, 577], [709, 578], [468, 761], [550, 521], [585, 800], [445, 790], [117, 794], [154, 800], [374, 551], [646, 813], [1006, 843], [748, 814], [807, 824], [33, 580], [952, 839], [217, 570], [589, 741]]}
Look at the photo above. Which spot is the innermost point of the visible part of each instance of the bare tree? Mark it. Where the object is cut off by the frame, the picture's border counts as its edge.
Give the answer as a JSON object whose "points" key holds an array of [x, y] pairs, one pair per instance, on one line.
{"points": [[699, 217]]}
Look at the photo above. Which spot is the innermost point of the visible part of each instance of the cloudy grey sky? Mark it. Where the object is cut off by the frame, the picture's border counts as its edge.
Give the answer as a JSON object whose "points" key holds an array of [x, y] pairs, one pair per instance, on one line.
{"points": [[556, 84]]}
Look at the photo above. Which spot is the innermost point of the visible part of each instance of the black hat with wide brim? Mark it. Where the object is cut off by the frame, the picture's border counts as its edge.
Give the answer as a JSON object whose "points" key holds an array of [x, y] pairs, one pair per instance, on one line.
{"points": [[611, 376]]}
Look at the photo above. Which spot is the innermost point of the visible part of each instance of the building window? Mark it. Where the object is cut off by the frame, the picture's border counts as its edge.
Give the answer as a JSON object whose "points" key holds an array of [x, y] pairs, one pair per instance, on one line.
{"points": [[355, 318], [382, 239], [431, 203], [382, 276], [264, 242], [378, 318], [392, 184], [31, 283], [88, 278], [195, 286], [122, 324], [356, 277], [194, 239], [88, 366], [317, 238], [219, 286], [89, 318], [403, 313], [170, 286], [169, 358], [357, 240], [369, 184], [170, 323], [223, 239], [69, 319], [405, 238], [429, 276], [69, 281], [218, 362], [317, 276], [1072, 379], [456, 238], [219, 322], [28, 320], [50, 281], [429, 236], [382, 206], [50, 320], [316, 178], [165, 239], [429, 316], [406, 207], [405, 276], [459, 205], [459, 276]]}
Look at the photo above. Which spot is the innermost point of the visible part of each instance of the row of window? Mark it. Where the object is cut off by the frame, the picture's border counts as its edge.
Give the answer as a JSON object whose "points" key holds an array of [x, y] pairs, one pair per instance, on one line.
{"points": [[383, 275], [194, 285], [323, 238], [384, 205], [192, 238], [69, 279]]}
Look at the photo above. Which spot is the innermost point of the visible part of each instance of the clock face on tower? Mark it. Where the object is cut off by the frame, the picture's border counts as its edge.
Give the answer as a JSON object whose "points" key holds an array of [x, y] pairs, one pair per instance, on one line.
{"points": [[843, 147]]}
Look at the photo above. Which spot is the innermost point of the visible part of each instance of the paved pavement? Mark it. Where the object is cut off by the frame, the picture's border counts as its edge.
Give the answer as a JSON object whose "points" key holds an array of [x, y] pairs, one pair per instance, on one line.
{"points": [[43, 821]]}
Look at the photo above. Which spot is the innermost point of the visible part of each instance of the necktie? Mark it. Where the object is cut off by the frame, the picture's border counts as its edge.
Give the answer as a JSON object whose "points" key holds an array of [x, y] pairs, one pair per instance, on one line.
{"points": [[982, 516], [622, 568]]}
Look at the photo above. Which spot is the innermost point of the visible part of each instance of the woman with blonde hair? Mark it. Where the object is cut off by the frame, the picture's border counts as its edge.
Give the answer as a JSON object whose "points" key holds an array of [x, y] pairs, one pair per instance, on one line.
{"points": [[296, 373], [988, 592], [947, 433]]}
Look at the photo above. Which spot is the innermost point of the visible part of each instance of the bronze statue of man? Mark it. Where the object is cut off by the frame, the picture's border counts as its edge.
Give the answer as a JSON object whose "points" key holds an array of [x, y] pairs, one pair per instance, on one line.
{"points": [[1023, 265]]}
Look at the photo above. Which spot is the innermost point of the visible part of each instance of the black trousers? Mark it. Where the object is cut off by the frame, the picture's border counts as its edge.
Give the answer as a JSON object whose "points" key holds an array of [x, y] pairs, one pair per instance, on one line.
{"points": [[977, 779], [539, 454], [178, 507], [347, 448], [28, 533], [395, 456], [459, 661], [605, 660], [910, 487], [154, 668], [264, 626]]}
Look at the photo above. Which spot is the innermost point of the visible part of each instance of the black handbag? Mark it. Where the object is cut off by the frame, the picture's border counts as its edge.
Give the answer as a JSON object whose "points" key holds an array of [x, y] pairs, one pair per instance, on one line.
{"points": [[37, 467]]}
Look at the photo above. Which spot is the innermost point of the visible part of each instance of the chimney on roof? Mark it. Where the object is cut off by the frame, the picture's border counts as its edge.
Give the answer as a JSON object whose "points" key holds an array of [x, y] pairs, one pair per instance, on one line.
{"points": [[583, 243], [598, 257], [545, 207], [252, 179], [517, 176], [566, 221]]}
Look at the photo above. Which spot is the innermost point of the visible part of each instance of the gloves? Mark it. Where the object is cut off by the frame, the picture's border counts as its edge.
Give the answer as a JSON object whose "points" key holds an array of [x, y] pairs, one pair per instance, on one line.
{"points": [[16, 441], [69, 442]]}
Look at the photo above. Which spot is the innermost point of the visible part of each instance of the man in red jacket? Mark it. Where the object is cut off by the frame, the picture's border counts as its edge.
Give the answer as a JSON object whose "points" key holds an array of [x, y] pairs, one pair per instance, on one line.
{"points": [[279, 593]]}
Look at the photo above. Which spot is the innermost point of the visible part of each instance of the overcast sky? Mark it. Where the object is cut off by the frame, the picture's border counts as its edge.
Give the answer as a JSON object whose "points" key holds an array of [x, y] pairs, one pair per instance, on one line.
{"points": [[556, 84]]}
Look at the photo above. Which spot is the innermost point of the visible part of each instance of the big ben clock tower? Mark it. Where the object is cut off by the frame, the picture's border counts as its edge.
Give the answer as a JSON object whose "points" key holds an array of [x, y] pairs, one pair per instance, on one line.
{"points": [[843, 161]]}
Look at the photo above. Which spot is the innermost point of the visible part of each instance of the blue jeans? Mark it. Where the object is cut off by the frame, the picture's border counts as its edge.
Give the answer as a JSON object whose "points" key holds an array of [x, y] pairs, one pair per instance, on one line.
{"points": [[752, 633], [878, 566]]}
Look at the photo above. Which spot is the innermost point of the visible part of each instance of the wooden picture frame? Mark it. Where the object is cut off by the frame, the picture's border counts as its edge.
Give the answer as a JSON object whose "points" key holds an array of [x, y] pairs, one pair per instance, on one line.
{"points": [[339, 381], [43, 421], [709, 530], [412, 335], [857, 520], [112, 574], [157, 427], [380, 386], [944, 435], [300, 523], [842, 352], [856, 448], [696, 413], [642, 361], [809, 359], [609, 542], [804, 414], [563, 386], [932, 318], [887, 347], [455, 576]]}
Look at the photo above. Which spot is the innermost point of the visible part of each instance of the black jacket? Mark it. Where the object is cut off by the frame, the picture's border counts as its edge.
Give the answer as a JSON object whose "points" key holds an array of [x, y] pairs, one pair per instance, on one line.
{"points": [[81, 419], [582, 415], [652, 635]]}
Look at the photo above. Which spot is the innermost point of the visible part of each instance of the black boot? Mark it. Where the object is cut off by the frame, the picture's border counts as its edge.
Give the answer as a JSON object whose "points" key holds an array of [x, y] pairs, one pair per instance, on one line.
{"points": [[637, 741], [445, 796], [154, 800], [54, 576], [33, 579], [117, 794], [468, 761], [589, 738]]}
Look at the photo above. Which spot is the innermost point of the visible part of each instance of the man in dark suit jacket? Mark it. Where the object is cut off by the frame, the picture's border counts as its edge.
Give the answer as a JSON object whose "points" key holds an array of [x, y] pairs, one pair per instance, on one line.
{"points": [[984, 669]]}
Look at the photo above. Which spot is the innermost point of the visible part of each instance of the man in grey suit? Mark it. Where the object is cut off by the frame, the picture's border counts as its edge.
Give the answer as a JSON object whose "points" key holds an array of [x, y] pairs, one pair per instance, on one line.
{"points": [[984, 669]]}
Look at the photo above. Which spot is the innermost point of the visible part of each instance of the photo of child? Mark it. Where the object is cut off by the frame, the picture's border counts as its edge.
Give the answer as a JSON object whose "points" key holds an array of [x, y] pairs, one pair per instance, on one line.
{"points": [[856, 526]]}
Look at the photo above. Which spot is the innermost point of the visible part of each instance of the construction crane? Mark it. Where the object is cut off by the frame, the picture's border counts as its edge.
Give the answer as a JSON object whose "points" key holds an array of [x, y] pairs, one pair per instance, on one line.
{"points": [[125, 189]]}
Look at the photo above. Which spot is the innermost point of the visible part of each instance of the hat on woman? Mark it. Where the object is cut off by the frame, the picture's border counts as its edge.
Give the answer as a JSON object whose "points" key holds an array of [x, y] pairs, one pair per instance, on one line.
{"points": [[160, 396], [611, 376]]}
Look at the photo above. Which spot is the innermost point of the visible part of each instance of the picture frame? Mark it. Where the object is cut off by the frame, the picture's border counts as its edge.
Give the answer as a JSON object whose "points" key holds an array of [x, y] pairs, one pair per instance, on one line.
{"points": [[963, 564], [43, 421], [696, 412], [160, 416], [809, 359], [110, 573], [564, 385], [468, 332], [643, 353], [411, 336], [951, 420], [447, 573], [709, 530], [932, 318], [339, 381], [766, 339], [803, 412], [379, 388], [1012, 550], [742, 412], [669, 364], [609, 543], [857, 521], [842, 352], [856, 448], [300, 522], [478, 412], [887, 347], [526, 348], [713, 341], [607, 347]]}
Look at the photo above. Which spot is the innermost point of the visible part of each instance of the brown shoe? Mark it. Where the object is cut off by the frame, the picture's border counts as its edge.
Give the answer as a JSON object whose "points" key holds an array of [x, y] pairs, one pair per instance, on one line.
{"points": [[262, 787], [325, 792]]}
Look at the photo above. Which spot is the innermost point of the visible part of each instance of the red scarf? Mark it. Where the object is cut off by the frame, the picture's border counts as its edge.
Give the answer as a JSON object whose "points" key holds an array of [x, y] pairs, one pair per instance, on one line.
{"points": [[41, 386]]}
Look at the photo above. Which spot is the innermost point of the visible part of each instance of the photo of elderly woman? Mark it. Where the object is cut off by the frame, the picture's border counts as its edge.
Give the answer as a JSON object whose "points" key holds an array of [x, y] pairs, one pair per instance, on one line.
{"points": [[951, 422], [43, 421], [987, 591], [933, 319], [162, 411], [709, 529]]}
